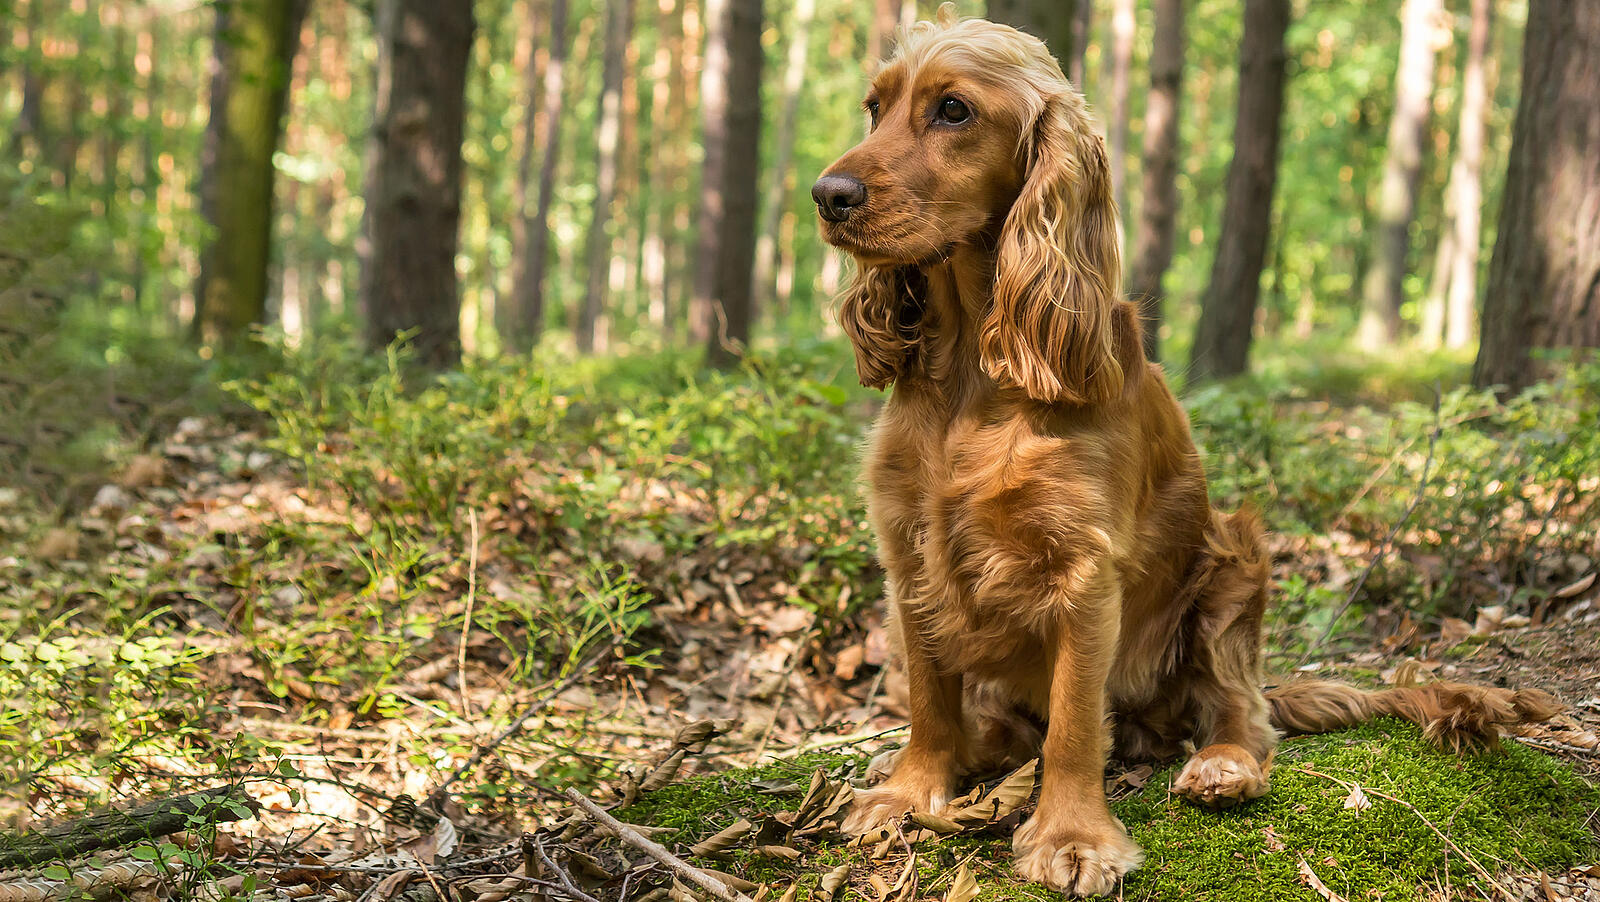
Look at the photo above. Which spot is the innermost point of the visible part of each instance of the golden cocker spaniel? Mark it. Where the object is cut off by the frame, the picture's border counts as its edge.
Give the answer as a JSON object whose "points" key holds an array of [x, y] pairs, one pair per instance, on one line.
{"points": [[1054, 563]]}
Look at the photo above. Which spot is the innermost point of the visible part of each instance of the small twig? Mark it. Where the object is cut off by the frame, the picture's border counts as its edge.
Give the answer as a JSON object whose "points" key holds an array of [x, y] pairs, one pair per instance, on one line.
{"points": [[838, 741], [483, 751], [677, 865], [1388, 541], [1482, 871], [466, 626], [561, 875]]}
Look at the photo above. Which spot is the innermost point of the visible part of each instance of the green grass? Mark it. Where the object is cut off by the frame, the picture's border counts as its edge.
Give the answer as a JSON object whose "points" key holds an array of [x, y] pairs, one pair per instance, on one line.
{"points": [[1511, 810]]}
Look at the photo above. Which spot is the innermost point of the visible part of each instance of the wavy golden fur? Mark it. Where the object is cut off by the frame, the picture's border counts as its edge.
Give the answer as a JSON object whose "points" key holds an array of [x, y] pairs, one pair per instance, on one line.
{"points": [[1054, 564]]}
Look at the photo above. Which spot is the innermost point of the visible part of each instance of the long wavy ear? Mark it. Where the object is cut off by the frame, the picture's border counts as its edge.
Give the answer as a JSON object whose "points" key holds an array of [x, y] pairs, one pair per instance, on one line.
{"points": [[878, 313], [1058, 274]]}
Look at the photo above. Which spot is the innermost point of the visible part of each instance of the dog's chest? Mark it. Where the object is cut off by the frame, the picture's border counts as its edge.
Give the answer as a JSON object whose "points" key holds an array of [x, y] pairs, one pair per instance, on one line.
{"points": [[972, 514]]}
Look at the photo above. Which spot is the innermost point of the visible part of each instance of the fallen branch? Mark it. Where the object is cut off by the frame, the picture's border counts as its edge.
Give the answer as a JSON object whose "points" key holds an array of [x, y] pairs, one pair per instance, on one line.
{"points": [[115, 829], [673, 863], [437, 796]]}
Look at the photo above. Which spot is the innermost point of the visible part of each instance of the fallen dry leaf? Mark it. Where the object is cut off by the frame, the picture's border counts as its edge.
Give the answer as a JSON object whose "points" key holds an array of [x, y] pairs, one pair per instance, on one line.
{"points": [[832, 883], [1453, 631], [1310, 878], [724, 839], [1012, 793], [964, 888]]}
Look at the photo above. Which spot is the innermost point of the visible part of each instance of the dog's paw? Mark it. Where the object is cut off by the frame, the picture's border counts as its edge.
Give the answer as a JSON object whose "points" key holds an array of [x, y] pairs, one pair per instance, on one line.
{"points": [[1075, 858], [1221, 776], [886, 803]]}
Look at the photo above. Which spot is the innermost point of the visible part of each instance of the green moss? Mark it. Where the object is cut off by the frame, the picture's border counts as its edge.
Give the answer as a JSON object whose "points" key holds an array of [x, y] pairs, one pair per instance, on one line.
{"points": [[1516, 809]]}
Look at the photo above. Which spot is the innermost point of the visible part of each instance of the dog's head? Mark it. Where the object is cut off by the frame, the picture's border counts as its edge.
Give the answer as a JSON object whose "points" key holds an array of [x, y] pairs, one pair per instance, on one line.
{"points": [[977, 139]]}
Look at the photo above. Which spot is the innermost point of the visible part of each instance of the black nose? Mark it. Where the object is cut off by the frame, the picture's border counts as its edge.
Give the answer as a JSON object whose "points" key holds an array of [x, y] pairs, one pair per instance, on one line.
{"points": [[837, 195]]}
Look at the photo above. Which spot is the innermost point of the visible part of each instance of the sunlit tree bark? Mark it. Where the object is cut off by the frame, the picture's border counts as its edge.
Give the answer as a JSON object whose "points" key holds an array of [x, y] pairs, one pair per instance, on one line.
{"points": [[781, 187], [253, 47], [1158, 210], [1383, 290], [1119, 64], [619, 25], [528, 284], [1544, 277], [1466, 183]]}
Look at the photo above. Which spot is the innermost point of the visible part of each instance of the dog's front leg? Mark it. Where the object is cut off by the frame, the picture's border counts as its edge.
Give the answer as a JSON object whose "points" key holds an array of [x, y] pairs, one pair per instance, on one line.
{"points": [[924, 772], [1073, 843]]}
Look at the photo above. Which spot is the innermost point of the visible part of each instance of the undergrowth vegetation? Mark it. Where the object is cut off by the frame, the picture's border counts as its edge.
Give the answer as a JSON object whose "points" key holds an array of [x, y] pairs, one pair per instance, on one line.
{"points": [[570, 500]]}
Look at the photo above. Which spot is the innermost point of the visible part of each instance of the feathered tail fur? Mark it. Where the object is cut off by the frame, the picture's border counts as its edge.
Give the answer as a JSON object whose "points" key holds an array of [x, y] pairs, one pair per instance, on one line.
{"points": [[1452, 715]]}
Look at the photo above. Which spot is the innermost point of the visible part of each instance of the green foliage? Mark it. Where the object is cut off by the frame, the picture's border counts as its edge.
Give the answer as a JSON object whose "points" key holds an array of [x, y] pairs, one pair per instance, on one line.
{"points": [[1512, 810], [1499, 494]]}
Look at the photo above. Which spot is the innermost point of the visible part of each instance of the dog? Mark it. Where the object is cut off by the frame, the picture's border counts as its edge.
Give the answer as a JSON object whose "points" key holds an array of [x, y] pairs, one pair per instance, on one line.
{"points": [[1053, 562]]}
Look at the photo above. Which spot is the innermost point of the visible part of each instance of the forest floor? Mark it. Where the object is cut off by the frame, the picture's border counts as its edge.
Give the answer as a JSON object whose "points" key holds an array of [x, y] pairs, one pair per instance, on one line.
{"points": [[186, 591]]}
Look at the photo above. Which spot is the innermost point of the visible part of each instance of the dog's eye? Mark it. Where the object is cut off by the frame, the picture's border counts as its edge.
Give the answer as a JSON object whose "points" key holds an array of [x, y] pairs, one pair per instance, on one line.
{"points": [[872, 110], [952, 110]]}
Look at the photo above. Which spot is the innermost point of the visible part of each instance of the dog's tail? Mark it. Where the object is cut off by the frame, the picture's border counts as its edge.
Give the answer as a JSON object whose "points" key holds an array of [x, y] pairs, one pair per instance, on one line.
{"points": [[1452, 715]]}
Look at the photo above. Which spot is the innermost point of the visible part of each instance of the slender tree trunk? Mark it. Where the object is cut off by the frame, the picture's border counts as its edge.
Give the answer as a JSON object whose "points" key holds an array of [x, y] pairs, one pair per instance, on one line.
{"points": [[28, 127], [738, 185], [1082, 20], [1158, 212], [527, 56], [1431, 314], [528, 287], [714, 76], [414, 195], [680, 247], [660, 171], [1119, 64], [1227, 311], [781, 187], [619, 25], [1544, 277], [1466, 183], [252, 53], [1383, 291]]}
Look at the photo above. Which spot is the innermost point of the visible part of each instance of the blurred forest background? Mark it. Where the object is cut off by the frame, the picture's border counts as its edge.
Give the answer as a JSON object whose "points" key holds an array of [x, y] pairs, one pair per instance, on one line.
{"points": [[496, 173], [377, 374]]}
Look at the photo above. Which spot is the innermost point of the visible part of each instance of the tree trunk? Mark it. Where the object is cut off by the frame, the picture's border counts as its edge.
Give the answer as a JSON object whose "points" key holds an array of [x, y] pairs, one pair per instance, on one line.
{"points": [[1383, 290], [1119, 62], [1544, 277], [1082, 19], [663, 172], [1158, 211], [513, 336], [252, 52], [28, 127], [781, 187], [619, 25], [414, 193], [1227, 311], [527, 290], [1466, 183], [1052, 21], [738, 185], [714, 75]]}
